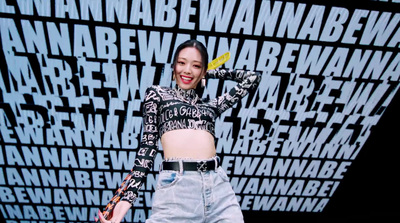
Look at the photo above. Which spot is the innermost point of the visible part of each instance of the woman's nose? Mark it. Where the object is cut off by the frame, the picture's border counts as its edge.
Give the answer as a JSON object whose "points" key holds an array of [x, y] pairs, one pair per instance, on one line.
{"points": [[186, 69]]}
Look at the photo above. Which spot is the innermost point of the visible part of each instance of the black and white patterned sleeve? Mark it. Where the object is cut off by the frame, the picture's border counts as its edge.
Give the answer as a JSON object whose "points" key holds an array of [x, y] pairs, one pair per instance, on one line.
{"points": [[148, 146], [247, 81]]}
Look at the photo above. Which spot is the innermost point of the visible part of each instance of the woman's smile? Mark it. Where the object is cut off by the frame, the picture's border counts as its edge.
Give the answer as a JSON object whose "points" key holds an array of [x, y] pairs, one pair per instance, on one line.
{"points": [[186, 79]]}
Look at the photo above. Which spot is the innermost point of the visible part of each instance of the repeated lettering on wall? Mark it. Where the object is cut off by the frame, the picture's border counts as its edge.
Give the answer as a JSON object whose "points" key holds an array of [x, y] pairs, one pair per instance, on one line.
{"points": [[74, 73]]}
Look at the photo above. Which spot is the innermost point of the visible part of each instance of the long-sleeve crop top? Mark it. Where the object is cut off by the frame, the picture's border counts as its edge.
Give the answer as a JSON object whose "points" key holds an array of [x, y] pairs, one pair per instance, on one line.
{"points": [[166, 109]]}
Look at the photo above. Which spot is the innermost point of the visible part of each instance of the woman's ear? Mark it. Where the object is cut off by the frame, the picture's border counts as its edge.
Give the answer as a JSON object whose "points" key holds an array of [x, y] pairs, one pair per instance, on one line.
{"points": [[204, 74]]}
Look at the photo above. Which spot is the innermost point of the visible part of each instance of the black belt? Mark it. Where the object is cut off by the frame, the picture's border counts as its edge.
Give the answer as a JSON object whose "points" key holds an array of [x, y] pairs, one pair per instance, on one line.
{"points": [[200, 166]]}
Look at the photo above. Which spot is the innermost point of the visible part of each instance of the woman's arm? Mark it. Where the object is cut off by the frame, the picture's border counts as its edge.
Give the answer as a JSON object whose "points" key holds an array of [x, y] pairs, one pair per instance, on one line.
{"points": [[148, 145], [144, 158], [247, 81]]}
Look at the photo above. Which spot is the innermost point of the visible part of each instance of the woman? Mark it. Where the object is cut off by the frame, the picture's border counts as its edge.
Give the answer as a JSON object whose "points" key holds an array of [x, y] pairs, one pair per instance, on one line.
{"points": [[191, 186]]}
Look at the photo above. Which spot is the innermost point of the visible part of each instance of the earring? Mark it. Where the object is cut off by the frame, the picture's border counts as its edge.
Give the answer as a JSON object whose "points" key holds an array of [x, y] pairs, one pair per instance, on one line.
{"points": [[203, 82], [173, 76]]}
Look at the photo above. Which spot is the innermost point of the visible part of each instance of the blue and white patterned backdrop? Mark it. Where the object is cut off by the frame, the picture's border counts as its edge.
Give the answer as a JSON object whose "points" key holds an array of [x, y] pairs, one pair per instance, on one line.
{"points": [[74, 72]]}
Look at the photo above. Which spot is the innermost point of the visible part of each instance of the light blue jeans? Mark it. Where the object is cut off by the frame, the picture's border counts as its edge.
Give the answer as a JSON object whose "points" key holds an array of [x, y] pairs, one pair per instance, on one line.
{"points": [[191, 196]]}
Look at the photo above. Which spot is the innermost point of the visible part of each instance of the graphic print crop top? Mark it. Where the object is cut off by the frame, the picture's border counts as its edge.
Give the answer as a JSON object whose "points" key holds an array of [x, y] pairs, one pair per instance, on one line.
{"points": [[166, 109]]}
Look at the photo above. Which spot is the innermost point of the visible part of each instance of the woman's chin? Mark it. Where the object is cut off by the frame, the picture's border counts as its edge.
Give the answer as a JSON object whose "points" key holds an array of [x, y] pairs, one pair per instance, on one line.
{"points": [[186, 86]]}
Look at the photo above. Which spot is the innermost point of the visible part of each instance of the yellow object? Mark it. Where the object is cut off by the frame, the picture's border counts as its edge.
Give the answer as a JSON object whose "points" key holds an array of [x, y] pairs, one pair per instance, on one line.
{"points": [[219, 61]]}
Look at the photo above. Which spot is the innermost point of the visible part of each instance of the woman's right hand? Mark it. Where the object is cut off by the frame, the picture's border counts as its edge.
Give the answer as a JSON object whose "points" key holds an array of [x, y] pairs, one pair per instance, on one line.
{"points": [[118, 213], [101, 218]]}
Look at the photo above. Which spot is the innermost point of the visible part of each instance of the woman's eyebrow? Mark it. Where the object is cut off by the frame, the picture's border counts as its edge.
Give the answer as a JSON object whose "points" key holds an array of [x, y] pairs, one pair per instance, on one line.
{"points": [[184, 58]]}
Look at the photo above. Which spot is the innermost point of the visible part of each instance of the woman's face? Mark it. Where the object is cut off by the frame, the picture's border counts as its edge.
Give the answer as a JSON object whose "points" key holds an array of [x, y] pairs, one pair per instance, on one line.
{"points": [[188, 68]]}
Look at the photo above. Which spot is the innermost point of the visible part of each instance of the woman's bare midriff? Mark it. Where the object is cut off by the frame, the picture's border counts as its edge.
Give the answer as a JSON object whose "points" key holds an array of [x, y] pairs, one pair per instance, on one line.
{"points": [[188, 143]]}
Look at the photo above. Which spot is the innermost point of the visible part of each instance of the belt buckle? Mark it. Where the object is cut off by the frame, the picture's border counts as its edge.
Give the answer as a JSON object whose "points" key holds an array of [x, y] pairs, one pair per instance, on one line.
{"points": [[202, 166]]}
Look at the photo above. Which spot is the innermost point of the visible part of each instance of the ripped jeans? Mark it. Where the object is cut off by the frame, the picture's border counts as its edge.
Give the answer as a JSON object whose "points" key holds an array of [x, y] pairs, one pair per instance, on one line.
{"points": [[194, 196]]}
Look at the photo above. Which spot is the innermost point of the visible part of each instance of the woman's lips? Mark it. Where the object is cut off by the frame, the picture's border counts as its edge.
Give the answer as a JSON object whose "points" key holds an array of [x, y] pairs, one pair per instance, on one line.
{"points": [[186, 79]]}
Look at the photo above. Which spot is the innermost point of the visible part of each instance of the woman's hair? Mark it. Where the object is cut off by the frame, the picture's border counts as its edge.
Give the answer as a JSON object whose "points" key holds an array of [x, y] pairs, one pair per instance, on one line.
{"points": [[199, 46]]}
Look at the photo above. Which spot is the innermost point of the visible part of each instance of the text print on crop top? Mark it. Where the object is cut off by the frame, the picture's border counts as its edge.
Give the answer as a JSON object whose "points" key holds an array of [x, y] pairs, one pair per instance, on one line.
{"points": [[166, 109]]}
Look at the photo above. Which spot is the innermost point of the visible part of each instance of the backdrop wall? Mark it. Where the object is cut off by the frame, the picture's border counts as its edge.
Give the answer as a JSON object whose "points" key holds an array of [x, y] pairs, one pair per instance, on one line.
{"points": [[74, 73]]}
